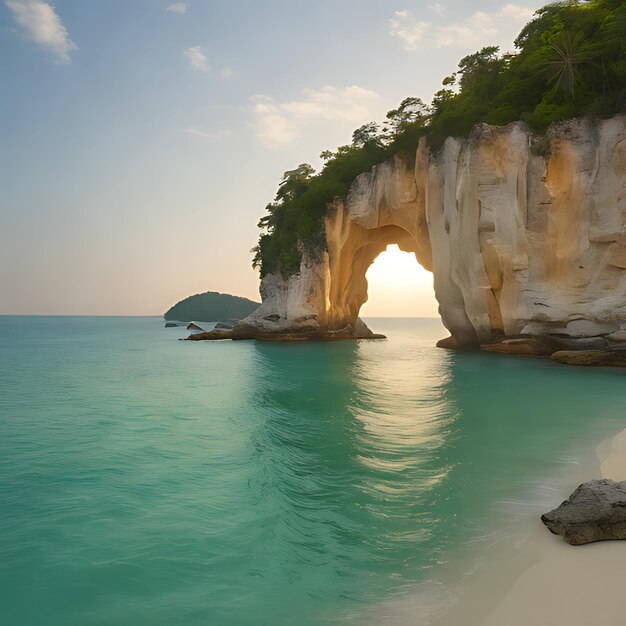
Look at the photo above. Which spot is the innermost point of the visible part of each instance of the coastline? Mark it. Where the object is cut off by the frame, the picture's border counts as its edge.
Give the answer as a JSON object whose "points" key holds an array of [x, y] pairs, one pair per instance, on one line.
{"points": [[524, 575], [543, 580]]}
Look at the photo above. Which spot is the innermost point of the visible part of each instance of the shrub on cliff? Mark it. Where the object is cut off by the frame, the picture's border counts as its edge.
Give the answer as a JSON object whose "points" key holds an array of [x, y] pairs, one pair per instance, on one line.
{"points": [[570, 62], [295, 219]]}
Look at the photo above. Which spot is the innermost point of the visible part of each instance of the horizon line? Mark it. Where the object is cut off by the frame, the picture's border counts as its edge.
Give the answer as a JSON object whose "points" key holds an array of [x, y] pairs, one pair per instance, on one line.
{"points": [[424, 317]]}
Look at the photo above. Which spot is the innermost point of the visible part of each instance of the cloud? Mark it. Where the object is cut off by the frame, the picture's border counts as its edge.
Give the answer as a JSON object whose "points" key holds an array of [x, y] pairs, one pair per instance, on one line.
{"points": [[227, 72], [178, 7], [220, 134], [197, 59], [280, 123], [437, 8], [520, 13], [40, 23], [479, 29], [273, 129], [407, 28]]}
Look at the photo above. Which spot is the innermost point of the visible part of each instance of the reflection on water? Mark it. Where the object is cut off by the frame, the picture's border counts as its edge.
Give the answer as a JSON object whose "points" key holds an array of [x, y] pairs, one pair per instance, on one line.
{"points": [[379, 460], [351, 468], [255, 483], [347, 457]]}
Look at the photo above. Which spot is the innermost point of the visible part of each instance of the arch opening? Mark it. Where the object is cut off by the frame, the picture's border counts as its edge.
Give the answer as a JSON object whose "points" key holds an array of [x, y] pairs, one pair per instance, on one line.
{"points": [[398, 286], [352, 250]]}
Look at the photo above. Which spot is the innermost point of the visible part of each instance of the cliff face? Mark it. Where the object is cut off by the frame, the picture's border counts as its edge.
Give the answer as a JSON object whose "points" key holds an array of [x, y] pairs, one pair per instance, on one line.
{"points": [[519, 244]]}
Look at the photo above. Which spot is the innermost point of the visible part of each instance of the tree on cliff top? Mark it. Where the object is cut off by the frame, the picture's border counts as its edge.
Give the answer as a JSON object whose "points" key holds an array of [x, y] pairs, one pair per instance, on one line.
{"points": [[570, 61]]}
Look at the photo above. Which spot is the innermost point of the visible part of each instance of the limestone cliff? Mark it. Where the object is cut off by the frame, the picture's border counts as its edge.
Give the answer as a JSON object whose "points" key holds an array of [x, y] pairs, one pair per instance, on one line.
{"points": [[519, 244]]}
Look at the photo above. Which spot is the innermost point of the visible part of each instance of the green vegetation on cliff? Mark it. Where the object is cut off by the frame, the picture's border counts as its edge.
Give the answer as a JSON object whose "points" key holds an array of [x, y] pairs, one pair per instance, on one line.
{"points": [[211, 307], [570, 62]]}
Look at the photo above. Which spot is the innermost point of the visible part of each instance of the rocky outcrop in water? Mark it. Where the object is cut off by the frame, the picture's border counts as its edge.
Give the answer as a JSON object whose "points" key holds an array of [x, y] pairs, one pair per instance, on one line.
{"points": [[298, 333], [596, 511], [521, 245], [598, 358], [224, 326]]}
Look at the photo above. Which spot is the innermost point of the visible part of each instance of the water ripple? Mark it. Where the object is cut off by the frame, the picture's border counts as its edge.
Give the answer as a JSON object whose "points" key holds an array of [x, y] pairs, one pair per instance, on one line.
{"points": [[148, 481]]}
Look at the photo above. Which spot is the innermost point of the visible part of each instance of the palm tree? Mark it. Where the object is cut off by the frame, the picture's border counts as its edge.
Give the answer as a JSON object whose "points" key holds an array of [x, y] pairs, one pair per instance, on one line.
{"points": [[566, 54]]}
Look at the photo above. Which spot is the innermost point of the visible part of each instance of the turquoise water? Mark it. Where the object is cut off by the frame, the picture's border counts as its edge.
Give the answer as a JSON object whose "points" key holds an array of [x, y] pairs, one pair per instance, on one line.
{"points": [[147, 481]]}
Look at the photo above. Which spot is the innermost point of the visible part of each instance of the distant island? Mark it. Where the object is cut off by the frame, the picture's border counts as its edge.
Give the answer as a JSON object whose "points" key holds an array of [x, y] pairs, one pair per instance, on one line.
{"points": [[211, 306]]}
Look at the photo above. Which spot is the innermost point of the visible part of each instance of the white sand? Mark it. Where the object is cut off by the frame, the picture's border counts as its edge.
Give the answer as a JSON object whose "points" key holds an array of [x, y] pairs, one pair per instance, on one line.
{"points": [[549, 582], [582, 585], [612, 455], [528, 577]]}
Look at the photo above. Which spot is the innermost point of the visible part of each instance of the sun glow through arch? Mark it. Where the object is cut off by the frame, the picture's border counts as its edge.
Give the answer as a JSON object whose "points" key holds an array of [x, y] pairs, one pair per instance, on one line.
{"points": [[398, 286]]}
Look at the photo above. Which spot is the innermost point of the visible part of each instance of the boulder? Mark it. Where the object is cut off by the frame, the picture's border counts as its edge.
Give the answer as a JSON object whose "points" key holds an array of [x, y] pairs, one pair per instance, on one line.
{"points": [[172, 324], [525, 346], [607, 358], [596, 511], [192, 326]]}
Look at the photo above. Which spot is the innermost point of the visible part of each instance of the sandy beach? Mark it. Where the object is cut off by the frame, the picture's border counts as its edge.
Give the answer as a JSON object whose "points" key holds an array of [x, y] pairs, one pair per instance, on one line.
{"points": [[545, 581], [527, 576]]}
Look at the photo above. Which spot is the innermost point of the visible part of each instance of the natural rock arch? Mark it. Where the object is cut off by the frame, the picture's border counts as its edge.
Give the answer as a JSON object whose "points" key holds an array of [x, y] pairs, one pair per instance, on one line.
{"points": [[518, 243], [387, 205], [349, 265]]}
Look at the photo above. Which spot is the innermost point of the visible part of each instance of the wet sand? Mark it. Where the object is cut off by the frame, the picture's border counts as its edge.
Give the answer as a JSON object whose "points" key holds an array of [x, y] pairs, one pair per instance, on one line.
{"points": [[544, 581]]}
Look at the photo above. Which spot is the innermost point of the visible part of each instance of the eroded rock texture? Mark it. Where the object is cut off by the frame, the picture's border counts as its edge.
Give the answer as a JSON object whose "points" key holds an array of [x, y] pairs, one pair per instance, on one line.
{"points": [[596, 511], [519, 244]]}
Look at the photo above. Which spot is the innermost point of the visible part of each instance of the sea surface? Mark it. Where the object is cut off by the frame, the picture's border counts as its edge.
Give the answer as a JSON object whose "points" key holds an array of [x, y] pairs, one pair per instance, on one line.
{"points": [[149, 481]]}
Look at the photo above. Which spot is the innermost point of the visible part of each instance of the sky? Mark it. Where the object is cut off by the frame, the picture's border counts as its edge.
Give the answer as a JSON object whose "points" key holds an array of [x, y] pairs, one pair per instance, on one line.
{"points": [[141, 140]]}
